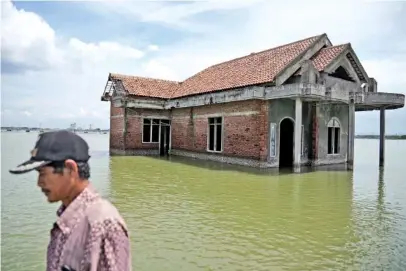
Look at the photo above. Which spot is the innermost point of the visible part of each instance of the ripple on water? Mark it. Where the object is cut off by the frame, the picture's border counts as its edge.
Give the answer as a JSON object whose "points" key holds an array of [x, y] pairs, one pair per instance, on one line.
{"points": [[187, 217], [191, 218]]}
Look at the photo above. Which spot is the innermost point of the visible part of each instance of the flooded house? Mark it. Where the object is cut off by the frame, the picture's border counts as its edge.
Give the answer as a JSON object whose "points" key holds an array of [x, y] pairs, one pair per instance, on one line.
{"points": [[287, 106]]}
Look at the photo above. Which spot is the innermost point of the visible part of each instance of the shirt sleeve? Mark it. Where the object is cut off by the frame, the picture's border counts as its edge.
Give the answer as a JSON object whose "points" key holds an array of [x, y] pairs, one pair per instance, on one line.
{"points": [[116, 248], [112, 252]]}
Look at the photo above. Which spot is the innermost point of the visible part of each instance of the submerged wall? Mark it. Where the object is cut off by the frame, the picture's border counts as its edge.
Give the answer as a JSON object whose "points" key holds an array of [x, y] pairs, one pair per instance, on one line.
{"points": [[325, 113], [245, 131]]}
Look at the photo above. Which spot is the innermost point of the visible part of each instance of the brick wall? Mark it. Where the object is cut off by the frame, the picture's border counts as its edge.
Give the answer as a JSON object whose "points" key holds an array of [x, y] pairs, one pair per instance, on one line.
{"points": [[245, 132], [245, 128], [135, 126], [116, 127]]}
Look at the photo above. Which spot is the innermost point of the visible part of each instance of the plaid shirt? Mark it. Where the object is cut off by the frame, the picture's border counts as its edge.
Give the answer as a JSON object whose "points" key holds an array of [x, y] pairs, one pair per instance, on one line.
{"points": [[89, 235]]}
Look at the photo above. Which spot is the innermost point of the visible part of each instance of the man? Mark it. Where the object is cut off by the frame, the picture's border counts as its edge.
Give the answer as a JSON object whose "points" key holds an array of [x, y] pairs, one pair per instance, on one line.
{"points": [[89, 233]]}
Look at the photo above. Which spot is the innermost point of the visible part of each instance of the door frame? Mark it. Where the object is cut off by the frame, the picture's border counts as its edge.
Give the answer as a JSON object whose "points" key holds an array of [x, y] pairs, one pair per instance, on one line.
{"points": [[170, 135], [279, 139]]}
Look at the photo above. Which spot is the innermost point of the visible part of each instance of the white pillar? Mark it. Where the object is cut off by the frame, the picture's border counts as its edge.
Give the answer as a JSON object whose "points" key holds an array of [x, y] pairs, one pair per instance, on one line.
{"points": [[298, 132], [351, 133], [382, 138]]}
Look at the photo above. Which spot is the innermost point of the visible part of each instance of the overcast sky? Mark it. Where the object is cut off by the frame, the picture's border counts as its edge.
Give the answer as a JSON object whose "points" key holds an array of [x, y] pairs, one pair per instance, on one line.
{"points": [[56, 56]]}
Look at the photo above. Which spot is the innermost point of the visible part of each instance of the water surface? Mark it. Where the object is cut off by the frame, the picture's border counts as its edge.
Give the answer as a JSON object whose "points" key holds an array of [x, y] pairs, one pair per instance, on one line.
{"points": [[191, 215]]}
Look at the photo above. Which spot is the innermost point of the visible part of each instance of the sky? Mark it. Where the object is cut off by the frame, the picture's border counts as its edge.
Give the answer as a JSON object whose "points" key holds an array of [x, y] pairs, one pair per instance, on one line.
{"points": [[56, 56]]}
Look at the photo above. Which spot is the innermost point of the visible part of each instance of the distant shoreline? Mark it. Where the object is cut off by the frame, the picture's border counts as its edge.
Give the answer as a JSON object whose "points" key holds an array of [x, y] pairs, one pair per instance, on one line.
{"points": [[36, 129], [104, 131], [391, 137]]}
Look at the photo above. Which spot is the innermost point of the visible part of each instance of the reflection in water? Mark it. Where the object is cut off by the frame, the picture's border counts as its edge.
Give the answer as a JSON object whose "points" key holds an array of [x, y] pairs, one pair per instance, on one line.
{"points": [[257, 171], [376, 229], [195, 218], [190, 215], [381, 189]]}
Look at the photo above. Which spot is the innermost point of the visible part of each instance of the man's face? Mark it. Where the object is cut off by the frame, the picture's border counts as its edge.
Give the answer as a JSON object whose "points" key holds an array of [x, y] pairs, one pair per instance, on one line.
{"points": [[55, 185]]}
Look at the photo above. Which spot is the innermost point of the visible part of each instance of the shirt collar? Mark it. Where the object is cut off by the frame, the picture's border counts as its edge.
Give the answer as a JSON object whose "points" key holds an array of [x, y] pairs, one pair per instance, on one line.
{"points": [[68, 216]]}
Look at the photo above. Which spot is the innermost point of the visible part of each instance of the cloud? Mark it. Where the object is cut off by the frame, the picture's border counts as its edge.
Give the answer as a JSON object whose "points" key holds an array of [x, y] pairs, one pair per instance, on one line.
{"points": [[24, 47], [172, 14], [55, 76], [153, 47], [60, 78], [27, 113]]}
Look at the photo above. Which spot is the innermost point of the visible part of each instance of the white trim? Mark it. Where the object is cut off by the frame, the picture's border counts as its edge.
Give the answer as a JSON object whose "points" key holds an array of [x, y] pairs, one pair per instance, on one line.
{"points": [[117, 116], [231, 114], [292, 119], [335, 124], [272, 126], [215, 134], [302, 141], [170, 136], [150, 133]]}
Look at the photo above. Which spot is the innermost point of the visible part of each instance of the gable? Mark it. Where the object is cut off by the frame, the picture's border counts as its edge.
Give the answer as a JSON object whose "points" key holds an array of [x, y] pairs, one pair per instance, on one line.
{"points": [[342, 73], [347, 61]]}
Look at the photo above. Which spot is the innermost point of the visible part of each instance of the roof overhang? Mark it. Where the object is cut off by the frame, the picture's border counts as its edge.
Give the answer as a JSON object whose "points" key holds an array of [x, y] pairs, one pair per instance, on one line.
{"points": [[350, 61], [295, 64], [374, 101], [114, 86]]}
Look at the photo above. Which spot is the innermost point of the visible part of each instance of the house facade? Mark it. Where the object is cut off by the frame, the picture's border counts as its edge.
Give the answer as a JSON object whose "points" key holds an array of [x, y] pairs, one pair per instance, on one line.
{"points": [[287, 106]]}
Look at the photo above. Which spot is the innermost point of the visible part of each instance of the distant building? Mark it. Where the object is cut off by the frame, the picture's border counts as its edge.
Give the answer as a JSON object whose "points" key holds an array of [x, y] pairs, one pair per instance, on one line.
{"points": [[287, 106]]}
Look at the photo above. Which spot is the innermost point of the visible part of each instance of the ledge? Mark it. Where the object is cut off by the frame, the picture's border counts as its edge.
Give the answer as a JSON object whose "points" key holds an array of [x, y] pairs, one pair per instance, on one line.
{"points": [[377, 100], [308, 92]]}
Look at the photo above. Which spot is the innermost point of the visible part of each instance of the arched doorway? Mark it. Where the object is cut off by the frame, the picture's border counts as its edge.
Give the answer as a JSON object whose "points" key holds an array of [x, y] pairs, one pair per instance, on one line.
{"points": [[286, 137]]}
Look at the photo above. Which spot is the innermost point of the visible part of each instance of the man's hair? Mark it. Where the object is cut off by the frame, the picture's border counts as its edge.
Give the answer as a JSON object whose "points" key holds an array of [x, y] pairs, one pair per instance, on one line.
{"points": [[83, 169]]}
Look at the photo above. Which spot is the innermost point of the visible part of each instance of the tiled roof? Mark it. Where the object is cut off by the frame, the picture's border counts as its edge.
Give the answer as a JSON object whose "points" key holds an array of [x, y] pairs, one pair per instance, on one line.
{"points": [[326, 55], [256, 68], [149, 87]]}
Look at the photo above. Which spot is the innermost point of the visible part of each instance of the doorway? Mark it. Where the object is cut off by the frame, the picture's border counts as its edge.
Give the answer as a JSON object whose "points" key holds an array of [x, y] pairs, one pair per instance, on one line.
{"points": [[165, 135], [286, 138]]}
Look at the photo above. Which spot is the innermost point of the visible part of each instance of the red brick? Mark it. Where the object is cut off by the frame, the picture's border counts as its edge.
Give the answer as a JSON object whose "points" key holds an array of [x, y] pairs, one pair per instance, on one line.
{"points": [[116, 128], [244, 135]]}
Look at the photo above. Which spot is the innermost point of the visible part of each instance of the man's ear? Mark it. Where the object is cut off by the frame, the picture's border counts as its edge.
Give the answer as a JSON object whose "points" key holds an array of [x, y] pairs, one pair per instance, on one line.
{"points": [[71, 166]]}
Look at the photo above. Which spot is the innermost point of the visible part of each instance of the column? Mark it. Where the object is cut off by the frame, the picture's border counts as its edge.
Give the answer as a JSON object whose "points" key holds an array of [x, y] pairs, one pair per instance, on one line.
{"points": [[298, 132], [351, 133], [382, 137], [263, 121]]}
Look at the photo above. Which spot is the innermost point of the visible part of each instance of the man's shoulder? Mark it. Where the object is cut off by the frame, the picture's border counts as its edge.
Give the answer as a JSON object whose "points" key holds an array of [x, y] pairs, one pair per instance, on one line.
{"points": [[104, 215]]}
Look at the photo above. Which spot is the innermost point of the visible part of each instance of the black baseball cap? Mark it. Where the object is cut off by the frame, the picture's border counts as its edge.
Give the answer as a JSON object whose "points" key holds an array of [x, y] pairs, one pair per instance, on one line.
{"points": [[55, 146]]}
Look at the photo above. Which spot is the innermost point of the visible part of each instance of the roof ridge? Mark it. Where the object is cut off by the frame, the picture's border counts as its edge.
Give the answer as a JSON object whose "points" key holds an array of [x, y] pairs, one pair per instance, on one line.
{"points": [[269, 49], [338, 45], [144, 77], [256, 53]]}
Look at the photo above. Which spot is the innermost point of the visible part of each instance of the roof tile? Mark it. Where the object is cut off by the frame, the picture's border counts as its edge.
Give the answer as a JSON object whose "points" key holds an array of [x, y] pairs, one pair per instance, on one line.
{"points": [[256, 68], [326, 55], [148, 87]]}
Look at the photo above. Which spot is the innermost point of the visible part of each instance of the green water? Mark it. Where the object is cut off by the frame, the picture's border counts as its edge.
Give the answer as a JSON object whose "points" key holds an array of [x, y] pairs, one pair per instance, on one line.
{"points": [[188, 215]]}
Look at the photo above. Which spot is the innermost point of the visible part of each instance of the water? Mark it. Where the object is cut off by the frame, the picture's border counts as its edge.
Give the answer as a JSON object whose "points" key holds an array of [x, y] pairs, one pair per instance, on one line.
{"points": [[185, 215]]}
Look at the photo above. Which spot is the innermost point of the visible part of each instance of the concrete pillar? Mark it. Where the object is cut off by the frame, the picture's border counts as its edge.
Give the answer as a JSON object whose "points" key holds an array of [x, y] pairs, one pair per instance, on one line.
{"points": [[382, 137], [263, 129], [298, 132], [351, 134]]}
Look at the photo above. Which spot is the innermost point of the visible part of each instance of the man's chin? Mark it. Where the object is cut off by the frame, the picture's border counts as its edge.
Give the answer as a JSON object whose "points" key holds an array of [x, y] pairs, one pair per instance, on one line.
{"points": [[51, 200]]}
